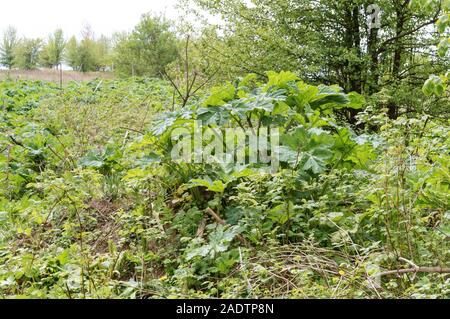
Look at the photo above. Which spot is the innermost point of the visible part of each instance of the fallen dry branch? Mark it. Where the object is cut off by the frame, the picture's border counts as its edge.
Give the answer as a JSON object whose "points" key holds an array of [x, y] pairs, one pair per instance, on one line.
{"points": [[224, 223], [437, 270]]}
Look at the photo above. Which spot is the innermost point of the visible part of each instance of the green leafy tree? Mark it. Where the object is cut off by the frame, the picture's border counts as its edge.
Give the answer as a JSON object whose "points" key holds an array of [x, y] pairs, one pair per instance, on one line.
{"points": [[437, 85], [323, 41], [87, 51], [88, 54], [71, 54], [27, 54], [8, 47], [148, 49], [103, 53], [53, 52]]}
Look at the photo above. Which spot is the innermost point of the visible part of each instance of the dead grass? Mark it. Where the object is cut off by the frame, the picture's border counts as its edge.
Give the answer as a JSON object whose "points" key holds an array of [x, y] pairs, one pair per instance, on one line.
{"points": [[53, 75], [306, 270]]}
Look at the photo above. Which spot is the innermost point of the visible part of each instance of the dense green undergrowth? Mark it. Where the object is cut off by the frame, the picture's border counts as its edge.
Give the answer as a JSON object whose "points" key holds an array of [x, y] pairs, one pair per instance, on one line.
{"points": [[93, 206]]}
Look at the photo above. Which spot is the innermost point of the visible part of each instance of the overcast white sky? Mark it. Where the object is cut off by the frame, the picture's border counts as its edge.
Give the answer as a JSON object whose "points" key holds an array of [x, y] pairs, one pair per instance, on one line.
{"points": [[38, 18]]}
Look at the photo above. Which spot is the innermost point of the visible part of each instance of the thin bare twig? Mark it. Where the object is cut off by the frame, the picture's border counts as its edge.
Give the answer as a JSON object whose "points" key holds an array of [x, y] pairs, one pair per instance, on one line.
{"points": [[224, 223], [437, 270]]}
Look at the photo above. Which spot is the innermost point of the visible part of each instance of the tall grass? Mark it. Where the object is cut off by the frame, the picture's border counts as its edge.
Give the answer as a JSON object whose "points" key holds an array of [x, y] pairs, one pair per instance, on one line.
{"points": [[51, 75]]}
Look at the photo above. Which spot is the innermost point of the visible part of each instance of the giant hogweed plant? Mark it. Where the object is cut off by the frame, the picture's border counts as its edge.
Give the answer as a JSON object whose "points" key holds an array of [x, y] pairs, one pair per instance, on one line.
{"points": [[303, 113], [311, 143]]}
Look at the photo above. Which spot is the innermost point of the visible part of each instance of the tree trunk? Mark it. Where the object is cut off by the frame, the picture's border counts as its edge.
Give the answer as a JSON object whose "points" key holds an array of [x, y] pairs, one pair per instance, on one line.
{"points": [[374, 74], [353, 44], [401, 12]]}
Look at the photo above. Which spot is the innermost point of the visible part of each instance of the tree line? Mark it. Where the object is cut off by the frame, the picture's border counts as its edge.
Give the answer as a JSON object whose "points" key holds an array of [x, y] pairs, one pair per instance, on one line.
{"points": [[144, 51]]}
